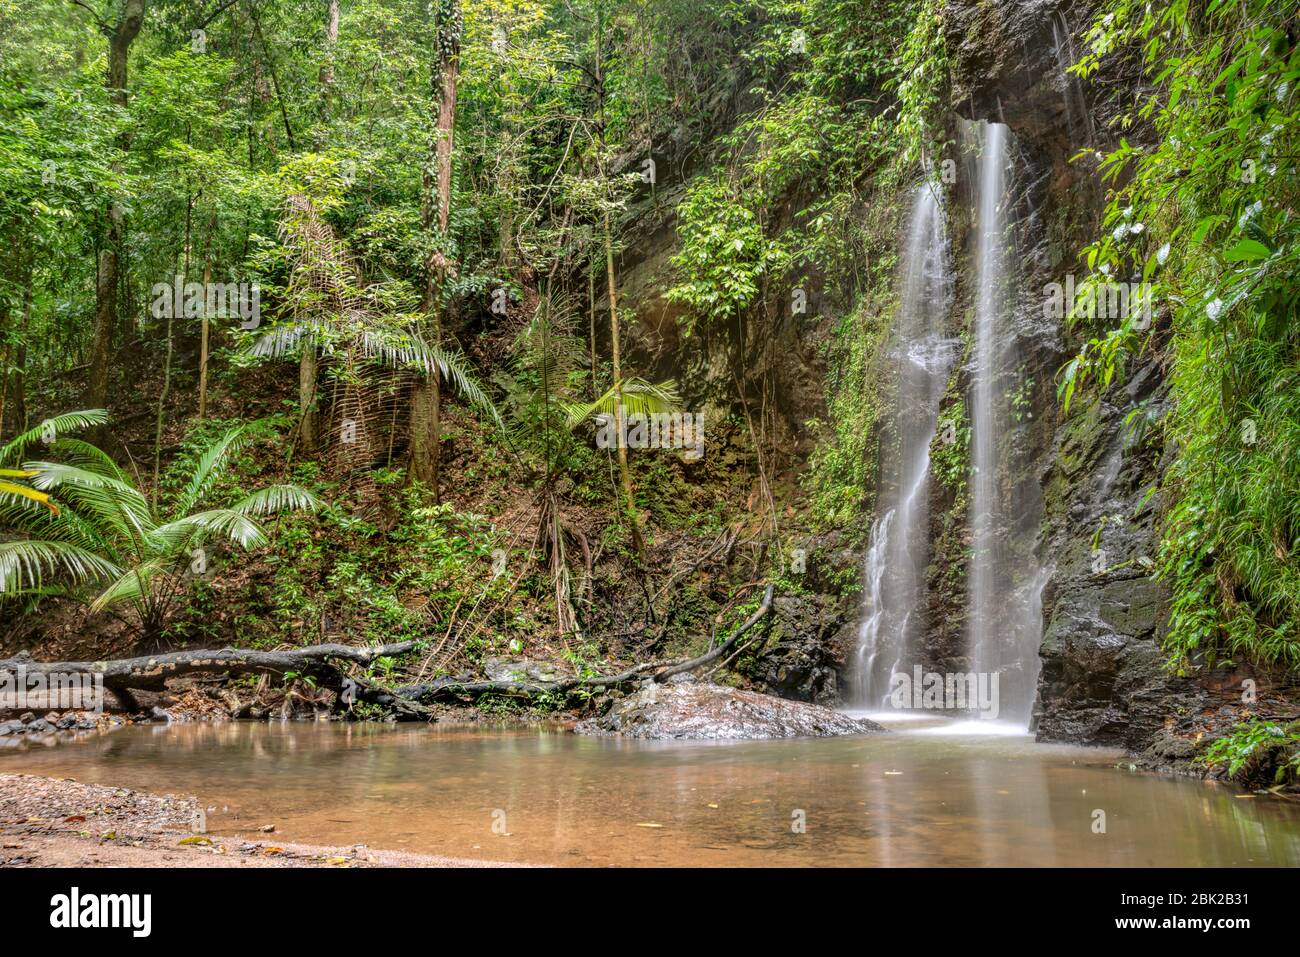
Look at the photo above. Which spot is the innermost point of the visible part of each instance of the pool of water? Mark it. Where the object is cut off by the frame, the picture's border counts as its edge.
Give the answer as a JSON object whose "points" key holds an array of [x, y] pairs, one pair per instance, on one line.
{"points": [[932, 792]]}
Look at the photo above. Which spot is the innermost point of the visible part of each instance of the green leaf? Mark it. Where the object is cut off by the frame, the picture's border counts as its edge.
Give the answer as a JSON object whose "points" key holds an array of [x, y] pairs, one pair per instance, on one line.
{"points": [[1247, 250]]}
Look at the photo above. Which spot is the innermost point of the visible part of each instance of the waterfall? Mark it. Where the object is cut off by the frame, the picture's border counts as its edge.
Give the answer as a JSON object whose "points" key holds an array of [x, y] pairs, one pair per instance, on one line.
{"points": [[920, 357], [1004, 591], [1077, 115]]}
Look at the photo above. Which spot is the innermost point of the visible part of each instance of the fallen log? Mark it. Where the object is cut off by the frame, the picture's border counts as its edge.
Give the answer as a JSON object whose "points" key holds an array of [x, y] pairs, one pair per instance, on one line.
{"points": [[150, 671], [322, 663]]}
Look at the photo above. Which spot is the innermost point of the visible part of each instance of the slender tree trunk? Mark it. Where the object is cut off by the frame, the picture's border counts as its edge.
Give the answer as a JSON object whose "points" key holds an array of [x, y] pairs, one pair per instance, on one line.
{"points": [[307, 397], [20, 359], [426, 398], [206, 325], [275, 78], [331, 41], [6, 349], [591, 324], [112, 236], [326, 75], [167, 361], [625, 475], [308, 437]]}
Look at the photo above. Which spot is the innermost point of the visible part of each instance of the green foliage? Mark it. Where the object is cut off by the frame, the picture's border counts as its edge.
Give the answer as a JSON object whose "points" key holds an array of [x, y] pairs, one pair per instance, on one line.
{"points": [[725, 258], [950, 460], [108, 536], [841, 471], [922, 70], [1256, 744], [1204, 213]]}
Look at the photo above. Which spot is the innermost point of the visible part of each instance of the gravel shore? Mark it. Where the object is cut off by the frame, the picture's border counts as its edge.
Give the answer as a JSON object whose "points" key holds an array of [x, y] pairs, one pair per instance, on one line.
{"points": [[60, 822]]}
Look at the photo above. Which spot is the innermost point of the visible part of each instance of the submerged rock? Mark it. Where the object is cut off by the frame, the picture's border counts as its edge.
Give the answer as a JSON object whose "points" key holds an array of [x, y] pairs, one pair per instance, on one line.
{"points": [[706, 711]]}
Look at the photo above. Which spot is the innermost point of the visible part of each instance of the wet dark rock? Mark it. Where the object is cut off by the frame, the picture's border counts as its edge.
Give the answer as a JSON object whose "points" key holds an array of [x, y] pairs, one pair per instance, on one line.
{"points": [[39, 726], [1103, 679], [805, 648], [700, 711], [523, 670], [11, 727]]}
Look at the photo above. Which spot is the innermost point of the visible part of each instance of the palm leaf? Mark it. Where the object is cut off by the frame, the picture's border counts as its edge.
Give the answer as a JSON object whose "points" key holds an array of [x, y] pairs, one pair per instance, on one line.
{"points": [[241, 529], [25, 563], [277, 498], [134, 584], [280, 340], [114, 502], [430, 358], [51, 429], [22, 491], [91, 458], [639, 398], [213, 462]]}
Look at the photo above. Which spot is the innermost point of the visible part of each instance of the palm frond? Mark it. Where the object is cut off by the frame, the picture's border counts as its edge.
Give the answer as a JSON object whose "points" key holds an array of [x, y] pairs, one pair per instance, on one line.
{"points": [[414, 352], [281, 339], [213, 462], [90, 457], [239, 528], [133, 585], [36, 521], [639, 398], [25, 563], [49, 430], [277, 498], [113, 501], [8, 488], [546, 344]]}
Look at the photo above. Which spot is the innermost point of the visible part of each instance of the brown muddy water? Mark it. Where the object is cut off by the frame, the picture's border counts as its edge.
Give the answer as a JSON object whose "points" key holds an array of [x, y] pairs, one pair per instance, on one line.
{"points": [[933, 792]]}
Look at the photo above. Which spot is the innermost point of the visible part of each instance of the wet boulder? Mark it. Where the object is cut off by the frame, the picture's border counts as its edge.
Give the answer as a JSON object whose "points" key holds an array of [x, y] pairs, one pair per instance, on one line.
{"points": [[805, 650], [700, 711], [523, 670]]}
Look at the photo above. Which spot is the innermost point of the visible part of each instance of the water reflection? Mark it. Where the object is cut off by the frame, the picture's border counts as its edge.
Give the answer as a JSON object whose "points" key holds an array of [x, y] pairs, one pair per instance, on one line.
{"points": [[921, 796]]}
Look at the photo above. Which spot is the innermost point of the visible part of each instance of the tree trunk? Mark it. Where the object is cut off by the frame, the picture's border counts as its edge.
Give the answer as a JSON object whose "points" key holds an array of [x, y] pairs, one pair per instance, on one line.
{"points": [[331, 41], [426, 397], [152, 671], [6, 348], [161, 417], [625, 476], [326, 76], [19, 381], [307, 397], [113, 233], [206, 324]]}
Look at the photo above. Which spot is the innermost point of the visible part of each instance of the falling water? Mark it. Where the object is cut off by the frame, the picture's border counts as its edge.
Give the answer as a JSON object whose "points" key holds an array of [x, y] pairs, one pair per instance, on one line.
{"points": [[1077, 116], [921, 357], [1004, 591]]}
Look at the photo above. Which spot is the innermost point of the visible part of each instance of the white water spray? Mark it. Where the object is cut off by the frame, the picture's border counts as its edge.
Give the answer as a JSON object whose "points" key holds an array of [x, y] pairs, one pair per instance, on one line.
{"points": [[1005, 626], [894, 582]]}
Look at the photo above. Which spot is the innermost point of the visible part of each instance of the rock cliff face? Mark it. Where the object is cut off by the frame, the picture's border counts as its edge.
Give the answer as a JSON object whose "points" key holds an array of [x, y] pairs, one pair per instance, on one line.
{"points": [[1101, 680]]}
